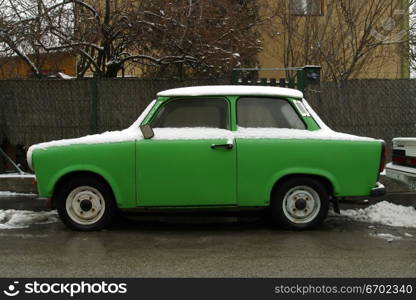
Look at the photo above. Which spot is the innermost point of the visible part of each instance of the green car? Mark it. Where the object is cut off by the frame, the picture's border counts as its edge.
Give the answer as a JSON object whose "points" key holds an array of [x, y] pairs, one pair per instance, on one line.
{"points": [[211, 147]]}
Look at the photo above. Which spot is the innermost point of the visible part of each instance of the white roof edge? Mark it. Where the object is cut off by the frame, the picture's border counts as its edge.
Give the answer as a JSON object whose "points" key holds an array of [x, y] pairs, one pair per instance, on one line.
{"points": [[232, 90]]}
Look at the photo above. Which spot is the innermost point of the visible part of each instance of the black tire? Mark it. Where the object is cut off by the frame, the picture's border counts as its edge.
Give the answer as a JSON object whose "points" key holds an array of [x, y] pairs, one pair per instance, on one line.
{"points": [[287, 218], [86, 185]]}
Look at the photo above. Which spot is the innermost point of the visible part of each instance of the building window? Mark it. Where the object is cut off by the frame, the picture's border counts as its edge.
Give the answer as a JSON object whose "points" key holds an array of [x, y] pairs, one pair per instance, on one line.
{"points": [[306, 7]]}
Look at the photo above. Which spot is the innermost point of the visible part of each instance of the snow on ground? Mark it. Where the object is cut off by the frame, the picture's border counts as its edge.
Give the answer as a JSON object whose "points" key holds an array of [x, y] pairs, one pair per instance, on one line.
{"points": [[13, 219], [17, 175], [385, 213], [13, 194], [387, 236]]}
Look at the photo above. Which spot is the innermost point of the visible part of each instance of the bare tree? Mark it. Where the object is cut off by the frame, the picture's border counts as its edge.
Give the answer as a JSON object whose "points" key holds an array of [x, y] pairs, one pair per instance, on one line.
{"points": [[166, 38], [19, 22], [351, 35], [412, 35]]}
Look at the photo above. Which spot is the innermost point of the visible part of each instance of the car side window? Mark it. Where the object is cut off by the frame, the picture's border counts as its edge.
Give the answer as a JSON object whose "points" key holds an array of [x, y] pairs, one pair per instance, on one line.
{"points": [[260, 112], [195, 112]]}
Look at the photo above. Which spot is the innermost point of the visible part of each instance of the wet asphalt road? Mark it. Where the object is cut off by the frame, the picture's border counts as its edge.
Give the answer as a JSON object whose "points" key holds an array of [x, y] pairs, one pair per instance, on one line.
{"points": [[207, 247]]}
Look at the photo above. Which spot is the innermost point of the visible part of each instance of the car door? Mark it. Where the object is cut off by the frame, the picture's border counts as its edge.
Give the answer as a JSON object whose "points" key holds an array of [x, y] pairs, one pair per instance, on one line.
{"points": [[191, 161], [265, 145]]}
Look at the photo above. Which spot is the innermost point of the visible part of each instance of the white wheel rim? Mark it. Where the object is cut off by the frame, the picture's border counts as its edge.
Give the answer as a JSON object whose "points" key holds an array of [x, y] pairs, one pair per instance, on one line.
{"points": [[85, 205], [301, 204]]}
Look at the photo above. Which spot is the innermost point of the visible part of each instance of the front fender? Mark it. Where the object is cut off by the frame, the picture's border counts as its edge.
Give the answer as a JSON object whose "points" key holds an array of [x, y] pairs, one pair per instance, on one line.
{"points": [[47, 189]]}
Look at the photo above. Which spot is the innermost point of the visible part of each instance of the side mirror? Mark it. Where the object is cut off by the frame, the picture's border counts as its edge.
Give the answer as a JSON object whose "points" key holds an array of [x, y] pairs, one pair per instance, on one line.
{"points": [[147, 131]]}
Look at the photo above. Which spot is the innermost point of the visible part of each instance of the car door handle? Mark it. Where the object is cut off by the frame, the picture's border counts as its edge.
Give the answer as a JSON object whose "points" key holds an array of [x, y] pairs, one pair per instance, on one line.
{"points": [[222, 146]]}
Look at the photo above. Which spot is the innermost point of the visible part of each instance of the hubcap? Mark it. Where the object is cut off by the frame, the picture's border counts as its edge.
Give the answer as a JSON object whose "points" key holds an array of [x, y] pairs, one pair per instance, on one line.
{"points": [[85, 205], [301, 204]]}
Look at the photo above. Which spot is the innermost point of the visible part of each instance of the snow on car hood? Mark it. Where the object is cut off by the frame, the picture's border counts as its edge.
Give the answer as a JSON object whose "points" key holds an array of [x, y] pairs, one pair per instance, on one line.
{"points": [[201, 133], [106, 137]]}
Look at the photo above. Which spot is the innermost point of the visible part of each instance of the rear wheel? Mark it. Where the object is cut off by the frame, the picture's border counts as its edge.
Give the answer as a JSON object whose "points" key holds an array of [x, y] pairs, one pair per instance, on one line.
{"points": [[85, 204], [300, 203]]}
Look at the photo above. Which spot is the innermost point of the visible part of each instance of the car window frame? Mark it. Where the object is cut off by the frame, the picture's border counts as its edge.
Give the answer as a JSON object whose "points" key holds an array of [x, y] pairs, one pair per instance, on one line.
{"points": [[165, 102], [271, 97]]}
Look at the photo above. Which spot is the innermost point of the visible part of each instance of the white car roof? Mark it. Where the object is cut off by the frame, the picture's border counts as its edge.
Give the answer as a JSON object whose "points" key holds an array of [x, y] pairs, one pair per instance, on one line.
{"points": [[232, 90]]}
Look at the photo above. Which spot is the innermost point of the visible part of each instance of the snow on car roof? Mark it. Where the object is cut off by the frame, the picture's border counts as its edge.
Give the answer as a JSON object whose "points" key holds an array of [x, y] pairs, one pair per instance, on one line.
{"points": [[232, 90]]}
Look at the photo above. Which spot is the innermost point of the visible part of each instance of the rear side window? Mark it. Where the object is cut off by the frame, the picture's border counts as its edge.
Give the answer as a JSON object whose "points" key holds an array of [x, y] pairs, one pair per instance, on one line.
{"points": [[267, 113], [193, 112]]}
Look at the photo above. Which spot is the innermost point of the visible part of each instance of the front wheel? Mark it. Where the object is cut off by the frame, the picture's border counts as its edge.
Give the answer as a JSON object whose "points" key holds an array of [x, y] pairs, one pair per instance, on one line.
{"points": [[300, 203], [85, 204]]}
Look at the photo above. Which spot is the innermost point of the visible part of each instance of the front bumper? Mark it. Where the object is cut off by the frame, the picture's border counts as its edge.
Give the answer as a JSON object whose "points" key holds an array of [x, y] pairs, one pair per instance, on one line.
{"points": [[378, 191], [403, 174]]}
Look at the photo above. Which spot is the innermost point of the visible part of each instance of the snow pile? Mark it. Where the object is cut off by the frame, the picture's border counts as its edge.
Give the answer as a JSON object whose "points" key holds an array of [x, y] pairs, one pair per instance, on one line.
{"points": [[12, 219], [13, 194], [385, 213], [106, 137]]}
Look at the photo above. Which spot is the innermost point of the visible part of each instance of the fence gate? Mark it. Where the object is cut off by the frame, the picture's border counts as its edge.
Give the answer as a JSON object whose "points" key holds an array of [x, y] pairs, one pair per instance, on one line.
{"points": [[302, 77]]}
